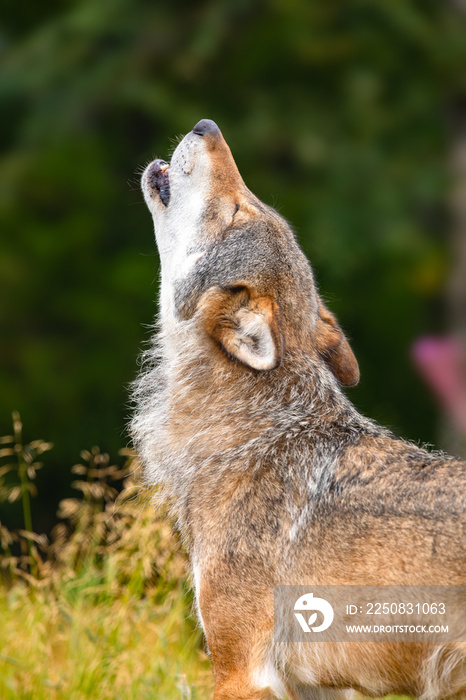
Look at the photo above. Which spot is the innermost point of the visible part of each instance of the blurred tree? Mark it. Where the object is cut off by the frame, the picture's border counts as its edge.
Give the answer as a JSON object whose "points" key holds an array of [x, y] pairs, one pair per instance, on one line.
{"points": [[455, 428], [335, 113]]}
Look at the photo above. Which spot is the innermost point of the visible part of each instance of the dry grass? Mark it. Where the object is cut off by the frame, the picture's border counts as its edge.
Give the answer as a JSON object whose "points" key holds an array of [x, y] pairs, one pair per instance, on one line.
{"points": [[102, 610], [69, 646]]}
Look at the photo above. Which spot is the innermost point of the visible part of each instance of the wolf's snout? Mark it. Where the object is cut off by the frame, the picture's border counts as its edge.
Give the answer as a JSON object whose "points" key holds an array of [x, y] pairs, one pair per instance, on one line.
{"points": [[206, 126]]}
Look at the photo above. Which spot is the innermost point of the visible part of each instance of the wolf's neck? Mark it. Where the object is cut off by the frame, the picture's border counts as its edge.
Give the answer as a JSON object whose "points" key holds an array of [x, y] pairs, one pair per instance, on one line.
{"points": [[193, 415]]}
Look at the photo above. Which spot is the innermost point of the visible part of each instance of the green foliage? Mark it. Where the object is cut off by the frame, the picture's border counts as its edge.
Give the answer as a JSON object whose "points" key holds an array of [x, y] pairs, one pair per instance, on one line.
{"points": [[336, 114]]}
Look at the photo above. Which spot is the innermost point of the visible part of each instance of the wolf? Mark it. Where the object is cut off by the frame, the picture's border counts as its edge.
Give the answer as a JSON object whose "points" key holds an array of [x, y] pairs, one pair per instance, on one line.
{"points": [[273, 475]]}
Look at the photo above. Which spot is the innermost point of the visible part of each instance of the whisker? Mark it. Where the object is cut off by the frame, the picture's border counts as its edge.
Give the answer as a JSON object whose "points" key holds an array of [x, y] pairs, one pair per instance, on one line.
{"points": [[140, 168]]}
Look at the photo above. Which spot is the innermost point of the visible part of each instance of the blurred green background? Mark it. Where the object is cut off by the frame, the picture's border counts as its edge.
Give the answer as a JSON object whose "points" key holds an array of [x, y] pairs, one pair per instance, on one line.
{"points": [[337, 112]]}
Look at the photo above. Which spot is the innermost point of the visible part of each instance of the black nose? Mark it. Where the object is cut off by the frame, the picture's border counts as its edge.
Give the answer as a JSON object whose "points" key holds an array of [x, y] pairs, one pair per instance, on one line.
{"points": [[205, 126]]}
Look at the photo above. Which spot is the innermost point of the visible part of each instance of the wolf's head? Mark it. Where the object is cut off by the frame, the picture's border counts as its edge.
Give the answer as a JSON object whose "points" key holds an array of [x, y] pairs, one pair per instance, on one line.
{"points": [[231, 264]]}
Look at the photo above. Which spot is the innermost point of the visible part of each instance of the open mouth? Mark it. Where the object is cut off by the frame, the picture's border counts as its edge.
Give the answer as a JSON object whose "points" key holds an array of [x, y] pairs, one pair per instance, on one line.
{"points": [[157, 177]]}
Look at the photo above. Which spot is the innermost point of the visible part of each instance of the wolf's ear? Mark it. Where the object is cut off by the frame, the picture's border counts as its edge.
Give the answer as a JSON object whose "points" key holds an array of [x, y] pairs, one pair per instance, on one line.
{"points": [[335, 349], [245, 327]]}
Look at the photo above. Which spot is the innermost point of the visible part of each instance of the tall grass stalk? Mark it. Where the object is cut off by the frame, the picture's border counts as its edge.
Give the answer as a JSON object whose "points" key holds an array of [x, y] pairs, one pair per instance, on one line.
{"points": [[16, 483], [24, 483]]}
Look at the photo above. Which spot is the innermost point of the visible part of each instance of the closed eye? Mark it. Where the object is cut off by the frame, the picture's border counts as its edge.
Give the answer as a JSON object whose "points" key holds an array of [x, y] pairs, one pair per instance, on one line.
{"points": [[237, 288], [236, 210]]}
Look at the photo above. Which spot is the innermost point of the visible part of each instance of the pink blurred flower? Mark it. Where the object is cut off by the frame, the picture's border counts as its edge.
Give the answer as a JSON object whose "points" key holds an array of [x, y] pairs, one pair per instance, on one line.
{"points": [[441, 361]]}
